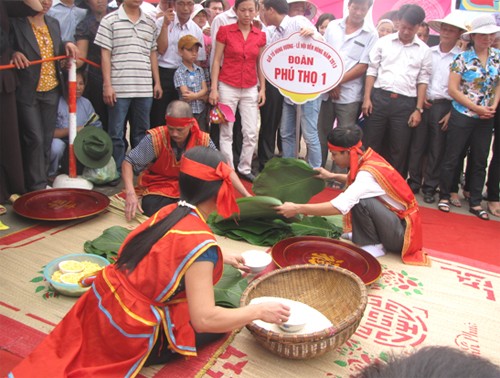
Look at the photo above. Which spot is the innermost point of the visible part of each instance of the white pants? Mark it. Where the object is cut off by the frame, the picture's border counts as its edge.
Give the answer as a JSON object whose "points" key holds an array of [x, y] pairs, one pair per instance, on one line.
{"points": [[245, 99], [56, 154]]}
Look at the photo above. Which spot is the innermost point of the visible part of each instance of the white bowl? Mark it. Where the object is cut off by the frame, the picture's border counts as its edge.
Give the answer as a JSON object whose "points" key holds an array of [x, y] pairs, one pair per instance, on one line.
{"points": [[295, 322], [70, 266], [256, 260]]}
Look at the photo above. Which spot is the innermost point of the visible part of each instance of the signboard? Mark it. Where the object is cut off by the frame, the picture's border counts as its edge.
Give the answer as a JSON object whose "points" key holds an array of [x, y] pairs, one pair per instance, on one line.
{"points": [[302, 68]]}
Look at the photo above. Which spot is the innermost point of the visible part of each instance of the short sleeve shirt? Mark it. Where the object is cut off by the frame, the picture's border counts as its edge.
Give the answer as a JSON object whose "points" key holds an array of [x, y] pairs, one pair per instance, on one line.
{"points": [[239, 68], [478, 83]]}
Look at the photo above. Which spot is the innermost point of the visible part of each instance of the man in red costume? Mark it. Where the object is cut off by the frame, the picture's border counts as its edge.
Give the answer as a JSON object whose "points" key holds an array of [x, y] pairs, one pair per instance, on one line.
{"points": [[378, 204], [157, 159]]}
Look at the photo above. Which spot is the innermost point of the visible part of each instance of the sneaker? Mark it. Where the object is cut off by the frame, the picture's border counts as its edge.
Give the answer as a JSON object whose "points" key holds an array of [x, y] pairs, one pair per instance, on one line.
{"points": [[346, 236], [248, 177]]}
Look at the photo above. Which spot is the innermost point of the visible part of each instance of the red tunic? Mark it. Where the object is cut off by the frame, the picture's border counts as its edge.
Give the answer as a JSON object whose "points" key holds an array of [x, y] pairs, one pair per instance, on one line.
{"points": [[111, 330], [162, 176], [397, 188]]}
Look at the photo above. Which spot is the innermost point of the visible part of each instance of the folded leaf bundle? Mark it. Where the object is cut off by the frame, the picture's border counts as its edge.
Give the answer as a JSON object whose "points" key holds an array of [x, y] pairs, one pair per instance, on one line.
{"points": [[289, 180], [108, 244]]}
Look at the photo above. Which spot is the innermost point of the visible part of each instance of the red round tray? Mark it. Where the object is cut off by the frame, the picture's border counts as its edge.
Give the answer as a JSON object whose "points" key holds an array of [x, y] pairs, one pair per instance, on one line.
{"points": [[60, 204], [319, 250]]}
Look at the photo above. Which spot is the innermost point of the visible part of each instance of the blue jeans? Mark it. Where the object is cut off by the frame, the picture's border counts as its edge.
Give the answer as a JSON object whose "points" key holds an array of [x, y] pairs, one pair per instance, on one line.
{"points": [[139, 123], [309, 127]]}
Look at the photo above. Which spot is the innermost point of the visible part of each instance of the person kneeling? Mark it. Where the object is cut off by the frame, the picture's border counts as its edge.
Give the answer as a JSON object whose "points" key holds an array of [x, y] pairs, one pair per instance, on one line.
{"points": [[379, 206]]}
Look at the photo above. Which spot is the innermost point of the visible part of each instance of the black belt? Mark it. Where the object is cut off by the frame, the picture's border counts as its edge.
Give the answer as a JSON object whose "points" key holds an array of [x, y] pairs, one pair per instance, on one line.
{"points": [[439, 101]]}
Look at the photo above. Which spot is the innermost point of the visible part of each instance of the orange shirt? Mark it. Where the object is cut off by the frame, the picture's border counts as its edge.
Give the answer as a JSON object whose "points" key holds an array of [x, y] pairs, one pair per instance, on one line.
{"points": [[48, 77]]}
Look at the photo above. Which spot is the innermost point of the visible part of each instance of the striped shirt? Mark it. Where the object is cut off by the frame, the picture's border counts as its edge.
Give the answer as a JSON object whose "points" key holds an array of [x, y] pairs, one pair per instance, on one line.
{"points": [[131, 45]]}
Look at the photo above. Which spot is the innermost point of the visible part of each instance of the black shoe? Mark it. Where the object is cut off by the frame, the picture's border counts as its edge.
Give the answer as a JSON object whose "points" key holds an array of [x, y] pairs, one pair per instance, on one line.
{"points": [[248, 177], [429, 198], [115, 182]]}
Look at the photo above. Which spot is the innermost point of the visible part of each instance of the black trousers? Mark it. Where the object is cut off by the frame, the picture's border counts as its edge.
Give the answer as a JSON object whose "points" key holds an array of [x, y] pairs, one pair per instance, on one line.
{"points": [[387, 130], [160, 354], [159, 106], [427, 149], [493, 182], [37, 122], [373, 223], [270, 118], [463, 131]]}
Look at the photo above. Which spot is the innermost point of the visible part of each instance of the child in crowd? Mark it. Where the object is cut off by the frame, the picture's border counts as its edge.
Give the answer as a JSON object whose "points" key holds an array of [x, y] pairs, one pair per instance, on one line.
{"points": [[85, 114], [190, 81]]}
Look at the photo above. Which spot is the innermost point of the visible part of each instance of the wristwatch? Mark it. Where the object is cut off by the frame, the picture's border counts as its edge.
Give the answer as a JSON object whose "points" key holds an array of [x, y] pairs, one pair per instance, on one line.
{"points": [[420, 110]]}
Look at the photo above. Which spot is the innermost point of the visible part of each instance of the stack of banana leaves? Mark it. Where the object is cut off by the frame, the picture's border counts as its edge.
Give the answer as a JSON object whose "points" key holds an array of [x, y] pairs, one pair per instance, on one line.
{"points": [[281, 180]]}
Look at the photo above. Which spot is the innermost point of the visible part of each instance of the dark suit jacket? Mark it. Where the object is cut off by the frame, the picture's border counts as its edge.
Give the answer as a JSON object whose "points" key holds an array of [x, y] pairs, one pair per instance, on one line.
{"points": [[23, 40]]}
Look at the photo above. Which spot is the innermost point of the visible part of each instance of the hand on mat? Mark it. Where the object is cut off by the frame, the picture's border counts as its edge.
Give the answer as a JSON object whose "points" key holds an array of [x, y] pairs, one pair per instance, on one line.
{"points": [[274, 312], [131, 206]]}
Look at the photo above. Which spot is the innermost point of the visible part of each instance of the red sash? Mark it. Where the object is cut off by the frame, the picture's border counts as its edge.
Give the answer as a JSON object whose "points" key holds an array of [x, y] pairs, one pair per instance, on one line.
{"points": [[162, 176], [396, 187]]}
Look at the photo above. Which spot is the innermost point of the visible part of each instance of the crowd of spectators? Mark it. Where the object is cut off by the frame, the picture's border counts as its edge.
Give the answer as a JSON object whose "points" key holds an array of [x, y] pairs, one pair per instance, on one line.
{"points": [[425, 109]]}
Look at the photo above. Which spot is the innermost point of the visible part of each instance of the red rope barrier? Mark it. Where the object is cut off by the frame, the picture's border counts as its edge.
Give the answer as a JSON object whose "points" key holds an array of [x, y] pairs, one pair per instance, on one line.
{"points": [[10, 66]]}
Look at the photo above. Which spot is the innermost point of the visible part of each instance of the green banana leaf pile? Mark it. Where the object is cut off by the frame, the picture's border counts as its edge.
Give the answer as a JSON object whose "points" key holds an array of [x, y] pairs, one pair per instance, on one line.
{"points": [[227, 292], [282, 179]]}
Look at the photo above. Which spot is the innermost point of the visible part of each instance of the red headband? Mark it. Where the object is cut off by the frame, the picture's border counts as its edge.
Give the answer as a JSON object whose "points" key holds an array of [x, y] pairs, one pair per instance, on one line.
{"points": [[354, 152], [226, 201], [185, 122]]}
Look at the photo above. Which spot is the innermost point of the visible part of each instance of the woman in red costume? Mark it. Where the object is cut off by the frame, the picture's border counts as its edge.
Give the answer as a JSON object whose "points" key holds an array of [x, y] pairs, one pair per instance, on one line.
{"points": [[379, 206], [157, 301]]}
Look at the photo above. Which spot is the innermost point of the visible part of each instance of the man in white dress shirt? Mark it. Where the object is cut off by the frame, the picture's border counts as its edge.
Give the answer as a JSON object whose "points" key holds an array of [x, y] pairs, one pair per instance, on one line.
{"points": [[175, 24], [395, 86], [353, 39], [429, 137]]}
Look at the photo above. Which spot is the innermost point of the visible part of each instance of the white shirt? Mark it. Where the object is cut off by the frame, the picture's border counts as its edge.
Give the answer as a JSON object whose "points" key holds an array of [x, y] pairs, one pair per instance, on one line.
{"points": [[364, 186], [399, 68], [438, 85], [171, 58], [354, 48], [225, 18]]}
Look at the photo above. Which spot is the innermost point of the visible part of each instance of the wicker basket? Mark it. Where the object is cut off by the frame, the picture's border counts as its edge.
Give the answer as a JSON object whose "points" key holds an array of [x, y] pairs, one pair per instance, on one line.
{"points": [[336, 292]]}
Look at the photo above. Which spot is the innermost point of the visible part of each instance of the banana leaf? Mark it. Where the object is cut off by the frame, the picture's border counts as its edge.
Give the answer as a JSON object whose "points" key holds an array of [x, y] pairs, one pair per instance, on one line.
{"points": [[108, 244], [255, 207], [230, 287], [319, 226], [289, 180]]}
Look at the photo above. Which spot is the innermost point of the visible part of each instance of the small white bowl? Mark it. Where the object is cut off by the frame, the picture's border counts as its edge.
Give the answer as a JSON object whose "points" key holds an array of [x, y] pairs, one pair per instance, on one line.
{"points": [[256, 260], [295, 322]]}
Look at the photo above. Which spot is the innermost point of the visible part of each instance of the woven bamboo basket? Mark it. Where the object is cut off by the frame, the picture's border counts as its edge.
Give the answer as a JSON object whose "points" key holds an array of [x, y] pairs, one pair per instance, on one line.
{"points": [[336, 292]]}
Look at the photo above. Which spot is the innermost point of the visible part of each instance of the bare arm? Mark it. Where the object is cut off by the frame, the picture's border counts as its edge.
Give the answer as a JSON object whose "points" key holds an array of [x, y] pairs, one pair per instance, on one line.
{"points": [[157, 90], [162, 39], [207, 317], [131, 201], [290, 209], [238, 185], [83, 46], [367, 106], [109, 94], [214, 93], [262, 81], [416, 116]]}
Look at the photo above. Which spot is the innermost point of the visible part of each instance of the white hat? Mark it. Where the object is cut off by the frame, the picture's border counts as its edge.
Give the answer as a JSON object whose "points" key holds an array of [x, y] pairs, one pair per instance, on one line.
{"points": [[197, 9], [482, 25], [310, 8], [452, 19]]}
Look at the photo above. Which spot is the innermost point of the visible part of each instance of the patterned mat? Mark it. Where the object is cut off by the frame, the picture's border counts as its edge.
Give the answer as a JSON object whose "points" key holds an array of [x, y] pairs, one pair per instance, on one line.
{"points": [[409, 307]]}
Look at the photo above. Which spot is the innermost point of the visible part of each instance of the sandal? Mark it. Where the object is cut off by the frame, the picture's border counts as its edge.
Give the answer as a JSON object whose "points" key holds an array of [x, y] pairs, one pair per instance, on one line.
{"points": [[455, 202], [480, 213], [3, 210], [444, 206]]}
